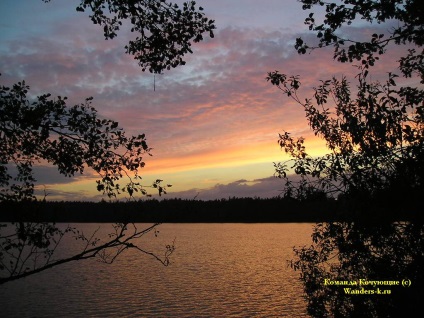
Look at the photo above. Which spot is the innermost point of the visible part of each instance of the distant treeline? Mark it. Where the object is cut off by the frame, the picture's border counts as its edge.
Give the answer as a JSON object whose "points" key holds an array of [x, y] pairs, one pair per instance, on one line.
{"points": [[237, 210]]}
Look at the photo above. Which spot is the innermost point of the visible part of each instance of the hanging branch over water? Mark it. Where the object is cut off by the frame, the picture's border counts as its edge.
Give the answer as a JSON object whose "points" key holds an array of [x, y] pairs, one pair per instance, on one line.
{"points": [[30, 247]]}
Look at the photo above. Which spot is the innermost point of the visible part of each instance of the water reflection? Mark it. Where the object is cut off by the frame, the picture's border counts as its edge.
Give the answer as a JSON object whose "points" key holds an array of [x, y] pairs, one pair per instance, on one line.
{"points": [[217, 270]]}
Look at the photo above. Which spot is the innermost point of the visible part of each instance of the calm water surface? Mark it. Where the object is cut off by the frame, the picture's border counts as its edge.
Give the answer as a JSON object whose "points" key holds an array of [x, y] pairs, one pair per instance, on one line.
{"points": [[217, 270]]}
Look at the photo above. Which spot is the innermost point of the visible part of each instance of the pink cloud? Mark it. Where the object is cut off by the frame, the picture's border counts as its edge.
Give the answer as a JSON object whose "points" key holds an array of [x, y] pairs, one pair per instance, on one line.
{"points": [[217, 106]]}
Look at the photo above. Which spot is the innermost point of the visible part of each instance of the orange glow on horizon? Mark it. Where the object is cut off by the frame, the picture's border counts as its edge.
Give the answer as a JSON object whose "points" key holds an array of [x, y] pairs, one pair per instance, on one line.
{"points": [[230, 157]]}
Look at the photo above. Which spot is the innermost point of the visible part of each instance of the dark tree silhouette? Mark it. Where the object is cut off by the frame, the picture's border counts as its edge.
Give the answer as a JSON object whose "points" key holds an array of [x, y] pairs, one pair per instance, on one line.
{"points": [[164, 30], [375, 136], [335, 269], [71, 138], [29, 248], [74, 138], [374, 131]]}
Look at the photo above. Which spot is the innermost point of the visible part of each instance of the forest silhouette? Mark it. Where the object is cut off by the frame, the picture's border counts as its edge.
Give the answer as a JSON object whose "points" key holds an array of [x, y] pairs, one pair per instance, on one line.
{"points": [[234, 210]]}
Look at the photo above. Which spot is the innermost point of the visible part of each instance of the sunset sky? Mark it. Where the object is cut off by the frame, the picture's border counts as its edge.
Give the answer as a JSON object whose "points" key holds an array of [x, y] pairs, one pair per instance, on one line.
{"points": [[213, 124]]}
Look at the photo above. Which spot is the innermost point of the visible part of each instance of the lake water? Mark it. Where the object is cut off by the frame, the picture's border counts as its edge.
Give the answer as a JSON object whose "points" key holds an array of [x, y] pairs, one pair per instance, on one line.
{"points": [[217, 270]]}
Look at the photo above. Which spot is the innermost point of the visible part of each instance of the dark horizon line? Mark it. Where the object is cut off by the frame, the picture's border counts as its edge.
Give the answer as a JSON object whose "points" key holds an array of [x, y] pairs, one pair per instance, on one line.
{"points": [[232, 210]]}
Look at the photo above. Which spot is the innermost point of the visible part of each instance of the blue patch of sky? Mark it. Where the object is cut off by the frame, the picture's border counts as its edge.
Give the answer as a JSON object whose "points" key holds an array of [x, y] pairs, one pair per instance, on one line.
{"points": [[20, 19]]}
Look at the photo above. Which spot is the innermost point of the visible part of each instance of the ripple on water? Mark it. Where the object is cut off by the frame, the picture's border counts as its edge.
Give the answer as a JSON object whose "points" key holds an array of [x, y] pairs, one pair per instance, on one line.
{"points": [[231, 270]]}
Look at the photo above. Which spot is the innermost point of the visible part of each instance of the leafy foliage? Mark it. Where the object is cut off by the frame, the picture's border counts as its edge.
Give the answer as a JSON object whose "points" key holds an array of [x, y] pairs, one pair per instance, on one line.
{"points": [[375, 136], [408, 13], [348, 252], [374, 131], [376, 140], [164, 30], [74, 138], [71, 138]]}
